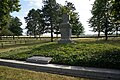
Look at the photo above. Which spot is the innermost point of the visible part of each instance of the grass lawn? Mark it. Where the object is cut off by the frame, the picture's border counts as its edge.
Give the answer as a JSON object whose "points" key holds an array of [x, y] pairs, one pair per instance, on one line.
{"points": [[17, 43], [91, 53], [7, 73]]}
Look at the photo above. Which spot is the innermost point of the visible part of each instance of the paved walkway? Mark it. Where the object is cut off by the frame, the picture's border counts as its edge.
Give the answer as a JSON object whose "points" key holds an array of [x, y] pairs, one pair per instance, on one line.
{"points": [[95, 73]]}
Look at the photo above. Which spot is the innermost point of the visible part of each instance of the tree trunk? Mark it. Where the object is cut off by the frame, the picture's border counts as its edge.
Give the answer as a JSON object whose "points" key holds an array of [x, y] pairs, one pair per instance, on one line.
{"points": [[13, 37], [106, 30], [99, 30], [34, 33], [116, 31], [51, 33], [39, 36], [51, 30], [106, 35], [56, 35], [99, 34], [0, 37]]}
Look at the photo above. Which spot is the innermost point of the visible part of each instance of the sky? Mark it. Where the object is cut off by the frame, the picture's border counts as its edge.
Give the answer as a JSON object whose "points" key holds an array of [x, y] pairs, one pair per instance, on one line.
{"points": [[83, 7]]}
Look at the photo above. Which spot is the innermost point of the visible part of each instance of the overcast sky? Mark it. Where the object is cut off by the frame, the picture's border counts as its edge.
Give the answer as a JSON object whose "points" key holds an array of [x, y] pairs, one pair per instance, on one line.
{"points": [[82, 6]]}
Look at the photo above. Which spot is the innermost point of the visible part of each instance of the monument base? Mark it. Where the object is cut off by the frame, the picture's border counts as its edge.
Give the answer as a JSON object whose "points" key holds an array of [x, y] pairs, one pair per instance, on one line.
{"points": [[65, 41]]}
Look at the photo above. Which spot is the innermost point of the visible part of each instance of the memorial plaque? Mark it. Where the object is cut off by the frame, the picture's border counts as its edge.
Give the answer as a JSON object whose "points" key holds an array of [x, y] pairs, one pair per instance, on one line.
{"points": [[39, 59]]}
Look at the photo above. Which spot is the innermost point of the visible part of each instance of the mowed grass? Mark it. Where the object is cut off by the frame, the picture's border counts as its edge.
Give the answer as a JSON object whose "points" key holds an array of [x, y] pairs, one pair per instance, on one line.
{"points": [[17, 43], [7, 73], [84, 52]]}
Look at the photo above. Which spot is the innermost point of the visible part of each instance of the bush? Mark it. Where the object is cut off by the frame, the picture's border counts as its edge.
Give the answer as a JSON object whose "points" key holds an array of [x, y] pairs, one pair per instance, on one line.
{"points": [[80, 54]]}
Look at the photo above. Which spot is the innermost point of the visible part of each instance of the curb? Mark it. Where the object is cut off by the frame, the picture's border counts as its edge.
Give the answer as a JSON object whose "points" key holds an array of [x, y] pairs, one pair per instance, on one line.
{"points": [[86, 72]]}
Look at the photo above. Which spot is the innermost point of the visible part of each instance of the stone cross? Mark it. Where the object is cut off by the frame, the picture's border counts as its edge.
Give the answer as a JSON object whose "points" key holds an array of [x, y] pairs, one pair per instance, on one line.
{"points": [[65, 18]]}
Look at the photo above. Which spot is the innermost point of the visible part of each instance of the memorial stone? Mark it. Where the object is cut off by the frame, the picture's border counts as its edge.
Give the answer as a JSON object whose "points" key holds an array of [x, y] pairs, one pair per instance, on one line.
{"points": [[39, 59], [65, 29]]}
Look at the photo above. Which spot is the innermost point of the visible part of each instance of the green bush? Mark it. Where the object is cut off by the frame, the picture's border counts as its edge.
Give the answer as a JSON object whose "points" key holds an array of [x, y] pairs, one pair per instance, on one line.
{"points": [[81, 54]]}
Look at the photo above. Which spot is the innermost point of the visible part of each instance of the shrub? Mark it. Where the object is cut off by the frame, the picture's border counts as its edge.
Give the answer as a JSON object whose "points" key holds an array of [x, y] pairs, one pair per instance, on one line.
{"points": [[80, 54]]}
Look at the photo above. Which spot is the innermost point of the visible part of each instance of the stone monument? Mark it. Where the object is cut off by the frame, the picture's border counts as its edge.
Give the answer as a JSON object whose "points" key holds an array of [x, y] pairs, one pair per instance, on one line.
{"points": [[65, 29]]}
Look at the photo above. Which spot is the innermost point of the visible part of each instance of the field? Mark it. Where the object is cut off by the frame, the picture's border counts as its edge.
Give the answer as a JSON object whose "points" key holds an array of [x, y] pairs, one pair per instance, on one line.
{"points": [[8, 42], [20, 74], [84, 52]]}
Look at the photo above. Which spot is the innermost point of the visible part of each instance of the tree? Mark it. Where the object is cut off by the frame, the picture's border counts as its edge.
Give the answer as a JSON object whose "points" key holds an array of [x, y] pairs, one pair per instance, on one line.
{"points": [[101, 19], [35, 22], [6, 32], [6, 7], [14, 26], [115, 12], [77, 27], [105, 17], [115, 9], [51, 12]]}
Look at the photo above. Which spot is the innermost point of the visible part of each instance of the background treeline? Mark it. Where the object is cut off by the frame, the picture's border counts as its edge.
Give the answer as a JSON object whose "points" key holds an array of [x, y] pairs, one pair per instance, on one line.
{"points": [[106, 17], [40, 21], [9, 25], [48, 19]]}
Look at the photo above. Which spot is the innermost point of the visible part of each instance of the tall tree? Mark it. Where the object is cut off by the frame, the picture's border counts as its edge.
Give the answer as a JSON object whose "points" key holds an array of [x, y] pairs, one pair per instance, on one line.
{"points": [[101, 19], [35, 22], [115, 9], [115, 12], [6, 7], [51, 12], [41, 28], [14, 26]]}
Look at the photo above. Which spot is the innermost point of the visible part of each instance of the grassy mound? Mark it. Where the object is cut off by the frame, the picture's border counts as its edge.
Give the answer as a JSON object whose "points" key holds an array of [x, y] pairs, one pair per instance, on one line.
{"points": [[92, 54]]}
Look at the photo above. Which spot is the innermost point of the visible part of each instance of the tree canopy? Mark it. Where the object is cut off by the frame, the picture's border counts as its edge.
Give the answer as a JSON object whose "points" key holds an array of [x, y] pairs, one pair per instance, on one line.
{"points": [[7, 7], [35, 22], [51, 10], [15, 26], [105, 14], [50, 18]]}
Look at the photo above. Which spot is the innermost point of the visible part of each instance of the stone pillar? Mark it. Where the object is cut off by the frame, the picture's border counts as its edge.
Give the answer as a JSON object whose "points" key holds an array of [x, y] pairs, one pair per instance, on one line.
{"points": [[65, 29]]}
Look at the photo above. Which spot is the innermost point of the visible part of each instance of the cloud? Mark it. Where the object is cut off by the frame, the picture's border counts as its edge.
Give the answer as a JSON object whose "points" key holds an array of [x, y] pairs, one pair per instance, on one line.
{"points": [[34, 3]]}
